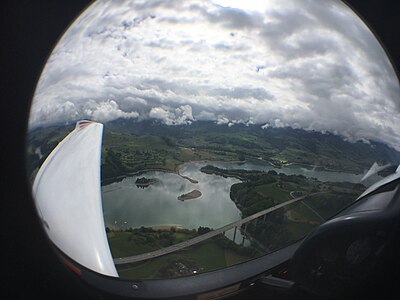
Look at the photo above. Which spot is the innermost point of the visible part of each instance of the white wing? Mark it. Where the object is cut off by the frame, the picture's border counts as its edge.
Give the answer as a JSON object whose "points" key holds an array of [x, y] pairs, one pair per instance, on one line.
{"points": [[67, 192], [375, 168], [386, 180]]}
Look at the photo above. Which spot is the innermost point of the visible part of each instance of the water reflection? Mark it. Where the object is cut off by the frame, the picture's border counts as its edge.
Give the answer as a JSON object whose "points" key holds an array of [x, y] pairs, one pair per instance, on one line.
{"points": [[127, 206], [258, 225], [259, 237], [158, 204]]}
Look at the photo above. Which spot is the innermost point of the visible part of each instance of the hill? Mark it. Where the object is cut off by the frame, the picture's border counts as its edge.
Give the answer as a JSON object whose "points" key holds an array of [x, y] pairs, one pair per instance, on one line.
{"points": [[130, 146]]}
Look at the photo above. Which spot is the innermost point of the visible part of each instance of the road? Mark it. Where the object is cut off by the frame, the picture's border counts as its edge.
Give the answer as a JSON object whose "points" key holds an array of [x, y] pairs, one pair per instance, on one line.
{"points": [[203, 237]]}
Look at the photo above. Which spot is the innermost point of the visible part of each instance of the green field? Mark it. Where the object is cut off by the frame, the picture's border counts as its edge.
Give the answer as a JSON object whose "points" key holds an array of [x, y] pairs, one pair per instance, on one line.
{"points": [[261, 190], [130, 146], [138, 241], [258, 191], [277, 194], [209, 255], [205, 257], [122, 245], [232, 258], [299, 211], [298, 229], [128, 153]]}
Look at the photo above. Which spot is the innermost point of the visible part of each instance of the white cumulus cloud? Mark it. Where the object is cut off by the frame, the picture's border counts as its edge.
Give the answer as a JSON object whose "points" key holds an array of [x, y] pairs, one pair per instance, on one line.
{"points": [[107, 111], [179, 116], [300, 63]]}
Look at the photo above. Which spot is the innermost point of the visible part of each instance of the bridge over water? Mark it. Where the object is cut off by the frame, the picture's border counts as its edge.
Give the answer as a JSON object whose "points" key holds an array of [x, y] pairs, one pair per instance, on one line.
{"points": [[203, 237]]}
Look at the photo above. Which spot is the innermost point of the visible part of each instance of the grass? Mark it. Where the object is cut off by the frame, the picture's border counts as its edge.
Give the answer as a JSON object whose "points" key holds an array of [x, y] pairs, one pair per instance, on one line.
{"points": [[298, 229], [232, 258], [207, 256], [132, 153], [143, 144], [304, 212], [122, 245], [181, 236], [146, 149], [146, 270], [328, 205], [271, 190]]}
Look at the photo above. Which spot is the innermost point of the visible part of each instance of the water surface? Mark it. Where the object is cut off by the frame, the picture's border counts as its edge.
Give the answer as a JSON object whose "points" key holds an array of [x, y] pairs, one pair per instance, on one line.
{"points": [[125, 205]]}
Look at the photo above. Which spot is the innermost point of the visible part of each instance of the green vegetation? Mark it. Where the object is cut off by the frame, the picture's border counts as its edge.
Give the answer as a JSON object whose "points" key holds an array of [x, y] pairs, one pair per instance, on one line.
{"points": [[130, 147], [215, 253], [41, 142], [339, 197], [202, 257], [261, 190], [232, 258], [240, 174], [258, 191], [141, 240]]}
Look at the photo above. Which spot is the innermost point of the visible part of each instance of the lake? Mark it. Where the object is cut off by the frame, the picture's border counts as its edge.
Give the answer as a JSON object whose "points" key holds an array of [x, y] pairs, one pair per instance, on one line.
{"points": [[125, 205]]}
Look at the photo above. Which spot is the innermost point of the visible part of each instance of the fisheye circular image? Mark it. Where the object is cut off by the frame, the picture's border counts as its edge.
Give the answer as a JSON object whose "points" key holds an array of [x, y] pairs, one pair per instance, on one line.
{"points": [[174, 138]]}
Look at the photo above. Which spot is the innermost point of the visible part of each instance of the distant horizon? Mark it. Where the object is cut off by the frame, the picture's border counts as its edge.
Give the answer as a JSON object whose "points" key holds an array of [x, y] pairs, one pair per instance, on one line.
{"points": [[259, 126]]}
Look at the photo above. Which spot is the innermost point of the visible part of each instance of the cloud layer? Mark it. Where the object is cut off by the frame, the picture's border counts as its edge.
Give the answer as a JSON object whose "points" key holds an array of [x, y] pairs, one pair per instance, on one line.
{"points": [[305, 64]]}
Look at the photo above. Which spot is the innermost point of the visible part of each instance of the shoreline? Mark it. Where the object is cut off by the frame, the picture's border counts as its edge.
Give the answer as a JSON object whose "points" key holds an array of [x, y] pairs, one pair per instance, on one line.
{"points": [[157, 227], [168, 227], [313, 167], [176, 171], [179, 167]]}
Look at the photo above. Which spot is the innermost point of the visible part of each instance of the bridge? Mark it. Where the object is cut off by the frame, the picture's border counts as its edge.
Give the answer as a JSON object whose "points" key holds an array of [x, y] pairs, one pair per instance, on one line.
{"points": [[203, 237]]}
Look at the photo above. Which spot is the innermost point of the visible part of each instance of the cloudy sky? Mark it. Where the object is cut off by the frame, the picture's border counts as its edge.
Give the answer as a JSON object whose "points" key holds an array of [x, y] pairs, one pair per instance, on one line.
{"points": [[300, 63]]}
